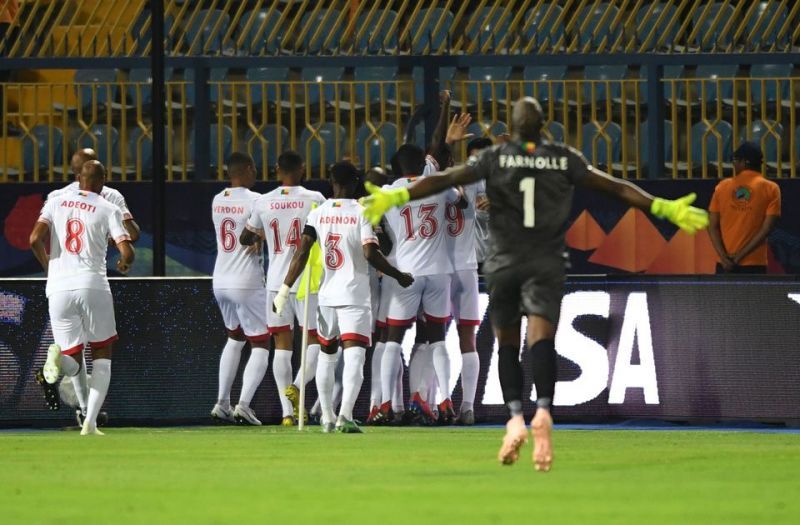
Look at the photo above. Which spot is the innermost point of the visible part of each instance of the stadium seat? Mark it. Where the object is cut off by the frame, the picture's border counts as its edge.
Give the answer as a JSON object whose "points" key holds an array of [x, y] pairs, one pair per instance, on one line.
{"points": [[425, 26], [374, 39], [368, 144], [372, 93], [494, 86], [143, 76], [265, 85], [711, 76], [644, 144], [214, 138], [483, 129], [710, 38], [717, 140], [768, 135], [670, 72], [49, 152], [770, 83], [205, 32], [318, 154], [138, 141], [600, 25], [257, 39], [608, 86], [488, 26], [105, 141], [555, 130], [329, 32], [547, 78], [275, 140], [543, 26], [658, 18], [321, 74], [98, 85], [596, 143], [214, 75], [758, 24]]}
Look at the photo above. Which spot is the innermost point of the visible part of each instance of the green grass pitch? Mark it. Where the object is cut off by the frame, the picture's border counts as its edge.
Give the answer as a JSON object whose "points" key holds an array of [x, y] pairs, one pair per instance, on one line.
{"points": [[277, 475]]}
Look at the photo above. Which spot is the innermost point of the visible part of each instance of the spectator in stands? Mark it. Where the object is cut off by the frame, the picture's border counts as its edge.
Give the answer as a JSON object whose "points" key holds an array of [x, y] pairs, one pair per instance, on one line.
{"points": [[743, 211]]}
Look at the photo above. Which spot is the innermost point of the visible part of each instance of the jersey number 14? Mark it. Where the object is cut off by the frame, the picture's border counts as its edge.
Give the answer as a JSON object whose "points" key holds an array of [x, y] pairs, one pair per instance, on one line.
{"points": [[527, 186]]}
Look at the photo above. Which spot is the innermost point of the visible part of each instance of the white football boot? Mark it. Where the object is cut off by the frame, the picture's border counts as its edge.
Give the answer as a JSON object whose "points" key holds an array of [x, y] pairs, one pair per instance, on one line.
{"points": [[52, 367], [222, 413], [245, 415]]}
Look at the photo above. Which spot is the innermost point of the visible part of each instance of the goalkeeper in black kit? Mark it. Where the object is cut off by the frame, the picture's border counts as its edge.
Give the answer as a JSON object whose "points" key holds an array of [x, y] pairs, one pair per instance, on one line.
{"points": [[530, 183]]}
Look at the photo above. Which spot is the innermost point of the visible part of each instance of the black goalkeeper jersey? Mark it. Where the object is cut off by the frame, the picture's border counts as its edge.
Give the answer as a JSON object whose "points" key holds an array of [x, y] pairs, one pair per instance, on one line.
{"points": [[530, 188]]}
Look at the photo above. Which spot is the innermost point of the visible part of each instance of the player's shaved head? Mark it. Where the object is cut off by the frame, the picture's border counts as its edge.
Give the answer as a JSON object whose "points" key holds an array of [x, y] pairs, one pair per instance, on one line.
{"points": [[377, 176], [241, 170], [526, 119], [79, 158], [290, 167], [408, 161], [93, 176]]}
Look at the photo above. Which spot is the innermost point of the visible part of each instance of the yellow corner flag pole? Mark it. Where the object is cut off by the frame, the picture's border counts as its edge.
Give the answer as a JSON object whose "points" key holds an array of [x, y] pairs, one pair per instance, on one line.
{"points": [[302, 412]]}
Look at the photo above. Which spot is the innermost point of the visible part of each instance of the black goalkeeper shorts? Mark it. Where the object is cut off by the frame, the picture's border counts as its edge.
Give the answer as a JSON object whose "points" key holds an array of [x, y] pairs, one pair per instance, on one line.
{"points": [[533, 288]]}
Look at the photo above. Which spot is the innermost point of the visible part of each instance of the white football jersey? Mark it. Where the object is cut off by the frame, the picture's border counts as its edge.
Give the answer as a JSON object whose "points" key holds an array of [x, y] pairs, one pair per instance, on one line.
{"points": [[279, 216], [110, 194], [461, 236], [342, 232], [418, 232], [80, 222], [236, 266]]}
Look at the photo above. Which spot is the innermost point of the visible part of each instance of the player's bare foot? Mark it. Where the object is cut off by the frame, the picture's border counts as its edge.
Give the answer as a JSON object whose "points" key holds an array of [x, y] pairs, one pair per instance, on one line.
{"points": [[516, 436], [542, 431]]}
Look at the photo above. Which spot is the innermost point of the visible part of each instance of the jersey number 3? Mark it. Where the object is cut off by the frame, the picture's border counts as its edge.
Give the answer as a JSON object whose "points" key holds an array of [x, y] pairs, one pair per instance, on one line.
{"points": [[526, 186], [334, 258]]}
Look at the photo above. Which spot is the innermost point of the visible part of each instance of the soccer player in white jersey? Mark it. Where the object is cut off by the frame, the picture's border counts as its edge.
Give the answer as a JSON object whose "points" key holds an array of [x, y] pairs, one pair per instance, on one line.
{"points": [[345, 311], [81, 381], [279, 216], [417, 231], [238, 285], [79, 224]]}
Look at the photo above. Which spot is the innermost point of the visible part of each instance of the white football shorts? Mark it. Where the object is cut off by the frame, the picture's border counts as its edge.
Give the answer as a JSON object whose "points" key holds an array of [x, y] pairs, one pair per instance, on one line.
{"points": [[432, 292], [244, 312], [82, 316], [464, 297], [293, 310], [346, 323]]}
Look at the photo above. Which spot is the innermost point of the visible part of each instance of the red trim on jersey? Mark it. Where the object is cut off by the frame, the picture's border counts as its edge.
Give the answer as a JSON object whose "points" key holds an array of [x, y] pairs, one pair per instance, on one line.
{"points": [[127, 217], [73, 350], [263, 338], [355, 337], [433, 319], [235, 332], [103, 344], [257, 231], [400, 322], [369, 241], [325, 342], [279, 329], [122, 238], [468, 322], [43, 221]]}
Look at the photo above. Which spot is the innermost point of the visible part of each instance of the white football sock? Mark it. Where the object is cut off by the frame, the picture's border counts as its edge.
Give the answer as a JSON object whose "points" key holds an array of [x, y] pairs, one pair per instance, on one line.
{"points": [[282, 371], [312, 353], [69, 366], [397, 399], [375, 376], [417, 366], [317, 408], [326, 376], [470, 369], [352, 378], [253, 374], [98, 388], [389, 364], [80, 383], [441, 365], [228, 366], [337, 385]]}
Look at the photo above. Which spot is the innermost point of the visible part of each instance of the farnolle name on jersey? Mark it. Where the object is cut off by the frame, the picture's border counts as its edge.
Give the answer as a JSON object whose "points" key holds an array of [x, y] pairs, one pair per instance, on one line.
{"points": [[539, 163]]}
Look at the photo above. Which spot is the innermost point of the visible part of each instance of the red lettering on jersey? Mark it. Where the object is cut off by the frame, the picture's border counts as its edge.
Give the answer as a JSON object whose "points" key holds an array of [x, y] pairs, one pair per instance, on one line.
{"points": [[79, 205], [338, 219], [229, 210], [287, 205]]}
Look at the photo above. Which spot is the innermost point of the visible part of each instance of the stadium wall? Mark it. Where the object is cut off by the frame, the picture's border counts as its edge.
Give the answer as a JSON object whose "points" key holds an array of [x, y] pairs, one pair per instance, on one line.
{"points": [[604, 237], [692, 349]]}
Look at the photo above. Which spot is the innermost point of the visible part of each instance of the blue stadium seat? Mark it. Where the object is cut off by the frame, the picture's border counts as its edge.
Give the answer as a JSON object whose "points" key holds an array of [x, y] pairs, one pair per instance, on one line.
{"points": [[318, 154], [489, 26], [104, 93], [495, 75], [644, 144], [48, 153], [658, 18], [670, 72], [759, 132], [105, 142], [425, 24], [374, 39], [371, 93], [267, 89], [321, 74], [446, 76], [481, 129], [205, 32], [715, 138], [609, 87], [708, 38], [257, 39], [368, 144], [775, 84], [555, 130], [543, 25], [139, 141], [215, 140], [541, 90], [326, 20], [711, 74], [275, 141], [217, 74], [758, 24], [595, 143], [600, 25]]}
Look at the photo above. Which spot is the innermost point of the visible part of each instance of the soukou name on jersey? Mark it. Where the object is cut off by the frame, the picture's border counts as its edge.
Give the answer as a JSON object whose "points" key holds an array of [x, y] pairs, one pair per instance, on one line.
{"points": [[539, 163]]}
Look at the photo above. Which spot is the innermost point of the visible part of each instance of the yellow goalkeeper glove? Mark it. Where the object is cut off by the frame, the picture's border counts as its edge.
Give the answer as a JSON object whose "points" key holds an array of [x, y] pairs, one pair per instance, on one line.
{"points": [[380, 201], [681, 213]]}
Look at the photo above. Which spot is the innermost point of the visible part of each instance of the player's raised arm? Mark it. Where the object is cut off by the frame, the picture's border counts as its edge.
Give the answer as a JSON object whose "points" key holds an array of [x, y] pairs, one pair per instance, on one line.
{"points": [[296, 267]]}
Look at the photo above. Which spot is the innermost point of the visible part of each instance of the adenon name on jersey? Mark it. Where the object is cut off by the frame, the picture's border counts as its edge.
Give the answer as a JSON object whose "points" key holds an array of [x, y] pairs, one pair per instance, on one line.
{"points": [[539, 163], [338, 219]]}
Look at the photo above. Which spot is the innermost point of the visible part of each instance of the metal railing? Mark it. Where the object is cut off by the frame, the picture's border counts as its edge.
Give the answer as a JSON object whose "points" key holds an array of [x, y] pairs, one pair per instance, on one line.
{"points": [[49, 28]]}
